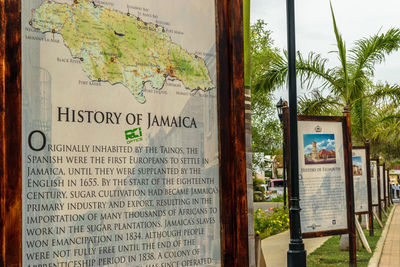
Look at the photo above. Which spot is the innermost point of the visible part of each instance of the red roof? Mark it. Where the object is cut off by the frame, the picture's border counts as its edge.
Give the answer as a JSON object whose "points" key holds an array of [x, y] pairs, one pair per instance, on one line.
{"points": [[329, 153]]}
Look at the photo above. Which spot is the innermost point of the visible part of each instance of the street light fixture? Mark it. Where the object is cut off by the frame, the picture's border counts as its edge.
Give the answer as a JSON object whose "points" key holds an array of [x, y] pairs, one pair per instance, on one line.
{"points": [[279, 109]]}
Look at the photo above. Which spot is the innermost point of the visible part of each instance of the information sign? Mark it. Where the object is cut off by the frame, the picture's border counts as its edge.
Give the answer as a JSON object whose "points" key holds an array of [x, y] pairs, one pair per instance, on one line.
{"points": [[374, 182], [382, 185], [360, 180], [120, 152], [322, 163], [117, 141]]}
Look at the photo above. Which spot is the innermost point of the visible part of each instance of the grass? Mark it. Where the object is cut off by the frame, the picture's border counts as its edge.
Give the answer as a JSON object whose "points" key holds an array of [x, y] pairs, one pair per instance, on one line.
{"points": [[329, 253]]}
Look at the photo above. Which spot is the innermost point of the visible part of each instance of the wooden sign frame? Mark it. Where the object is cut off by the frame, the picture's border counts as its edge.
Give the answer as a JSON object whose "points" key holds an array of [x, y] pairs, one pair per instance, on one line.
{"points": [[368, 183], [389, 190], [349, 176], [347, 147], [369, 188], [231, 124], [383, 194], [379, 205]]}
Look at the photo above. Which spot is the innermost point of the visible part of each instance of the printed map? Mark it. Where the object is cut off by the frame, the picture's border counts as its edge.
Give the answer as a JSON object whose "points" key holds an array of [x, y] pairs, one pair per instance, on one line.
{"points": [[121, 48]]}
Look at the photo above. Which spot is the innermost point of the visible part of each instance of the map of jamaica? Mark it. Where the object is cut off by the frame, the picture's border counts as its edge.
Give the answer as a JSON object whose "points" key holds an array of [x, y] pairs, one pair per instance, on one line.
{"points": [[120, 47]]}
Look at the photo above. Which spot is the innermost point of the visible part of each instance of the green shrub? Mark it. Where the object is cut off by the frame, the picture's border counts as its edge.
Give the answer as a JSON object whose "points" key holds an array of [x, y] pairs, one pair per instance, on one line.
{"points": [[279, 198], [267, 223]]}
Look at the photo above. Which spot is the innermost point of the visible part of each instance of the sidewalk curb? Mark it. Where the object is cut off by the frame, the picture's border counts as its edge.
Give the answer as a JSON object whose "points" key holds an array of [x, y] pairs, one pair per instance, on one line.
{"points": [[374, 261]]}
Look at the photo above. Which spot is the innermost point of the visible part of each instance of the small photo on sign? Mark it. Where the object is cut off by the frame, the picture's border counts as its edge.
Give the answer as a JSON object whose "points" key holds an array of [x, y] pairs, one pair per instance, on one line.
{"points": [[319, 148], [373, 168], [357, 167]]}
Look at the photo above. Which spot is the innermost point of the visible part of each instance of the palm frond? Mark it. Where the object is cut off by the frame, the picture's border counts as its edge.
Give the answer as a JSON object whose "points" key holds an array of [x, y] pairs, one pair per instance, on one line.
{"points": [[342, 54], [387, 127], [373, 50], [361, 120], [313, 68], [391, 117], [358, 88], [385, 92], [316, 104], [275, 76], [308, 70]]}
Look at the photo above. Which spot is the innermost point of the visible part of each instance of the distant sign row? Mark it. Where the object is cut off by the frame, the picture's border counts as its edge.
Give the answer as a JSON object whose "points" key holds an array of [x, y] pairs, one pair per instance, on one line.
{"points": [[337, 181]]}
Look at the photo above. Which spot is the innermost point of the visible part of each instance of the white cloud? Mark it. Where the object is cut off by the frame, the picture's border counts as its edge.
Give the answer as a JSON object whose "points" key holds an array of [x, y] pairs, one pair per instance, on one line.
{"points": [[328, 144], [308, 149]]}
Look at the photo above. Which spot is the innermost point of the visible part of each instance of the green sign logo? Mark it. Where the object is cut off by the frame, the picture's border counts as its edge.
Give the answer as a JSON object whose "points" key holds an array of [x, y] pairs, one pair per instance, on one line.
{"points": [[134, 135]]}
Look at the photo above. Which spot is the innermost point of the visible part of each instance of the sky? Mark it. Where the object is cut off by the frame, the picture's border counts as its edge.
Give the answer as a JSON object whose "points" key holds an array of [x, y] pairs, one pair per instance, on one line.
{"points": [[355, 19]]}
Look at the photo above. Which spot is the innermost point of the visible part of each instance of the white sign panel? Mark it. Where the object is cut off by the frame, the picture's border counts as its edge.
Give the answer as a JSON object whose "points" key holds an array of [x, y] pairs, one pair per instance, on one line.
{"points": [[374, 182], [120, 136], [360, 180], [322, 176]]}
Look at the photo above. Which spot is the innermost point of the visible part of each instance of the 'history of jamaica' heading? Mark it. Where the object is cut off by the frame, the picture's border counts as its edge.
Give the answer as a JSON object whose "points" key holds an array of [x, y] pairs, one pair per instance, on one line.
{"points": [[65, 114]]}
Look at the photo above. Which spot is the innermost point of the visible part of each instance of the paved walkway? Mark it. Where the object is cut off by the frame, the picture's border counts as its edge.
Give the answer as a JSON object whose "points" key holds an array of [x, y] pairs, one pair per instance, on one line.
{"points": [[391, 248], [275, 248]]}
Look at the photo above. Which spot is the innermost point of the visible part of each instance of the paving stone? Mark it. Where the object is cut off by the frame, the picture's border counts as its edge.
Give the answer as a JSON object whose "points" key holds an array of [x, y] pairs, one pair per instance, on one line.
{"points": [[391, 248]]}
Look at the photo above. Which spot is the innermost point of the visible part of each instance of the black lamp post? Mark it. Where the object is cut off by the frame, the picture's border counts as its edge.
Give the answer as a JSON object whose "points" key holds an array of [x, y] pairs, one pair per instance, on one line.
{"points": [[296, 255], [279, 109]]}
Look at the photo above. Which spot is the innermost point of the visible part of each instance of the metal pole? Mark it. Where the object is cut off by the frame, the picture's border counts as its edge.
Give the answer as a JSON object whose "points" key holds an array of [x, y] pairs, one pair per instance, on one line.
{"points": [[379, 189], [296, 255]]}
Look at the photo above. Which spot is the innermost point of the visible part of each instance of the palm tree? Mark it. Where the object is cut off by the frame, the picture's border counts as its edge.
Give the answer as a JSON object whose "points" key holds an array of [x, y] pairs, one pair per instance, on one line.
{"points": [[385, 137], [349, 84]]}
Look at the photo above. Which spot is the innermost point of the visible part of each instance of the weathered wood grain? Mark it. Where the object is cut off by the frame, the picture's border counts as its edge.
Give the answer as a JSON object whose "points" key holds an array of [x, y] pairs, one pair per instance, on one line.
{"points": [[10, 136], [233, 193]]}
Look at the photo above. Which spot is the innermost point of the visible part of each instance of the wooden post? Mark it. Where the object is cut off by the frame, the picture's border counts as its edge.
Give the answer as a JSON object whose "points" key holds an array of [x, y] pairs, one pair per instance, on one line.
{"points": [[389, 189], [379, 190], [369, 188], [234, 221], [364, 240], [384, 188], [350, 188], [378, 220], [10, 133]]}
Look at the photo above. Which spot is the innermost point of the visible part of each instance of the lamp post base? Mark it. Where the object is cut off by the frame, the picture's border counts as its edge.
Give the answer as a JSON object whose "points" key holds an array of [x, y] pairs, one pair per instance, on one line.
{"points": [[296, 258]]}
